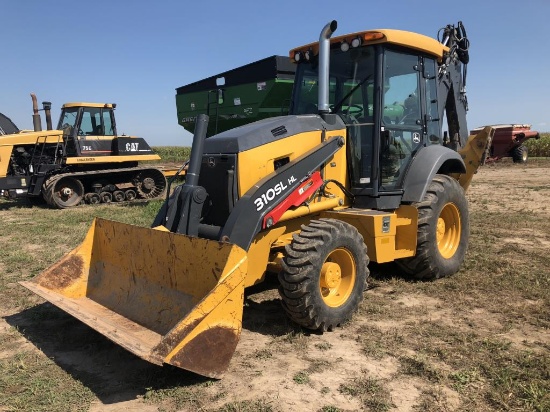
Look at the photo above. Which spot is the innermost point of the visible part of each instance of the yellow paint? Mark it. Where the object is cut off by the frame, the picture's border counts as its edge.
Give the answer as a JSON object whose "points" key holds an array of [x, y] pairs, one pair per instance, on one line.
{"points": [[259, 161], [338, 277], [473, 155], [258, 254], [110, 159], [406, 39], [448, 230], [143, 288], [30, 138], [388, 235], [83, 104], [316, 206], [5, 153]]}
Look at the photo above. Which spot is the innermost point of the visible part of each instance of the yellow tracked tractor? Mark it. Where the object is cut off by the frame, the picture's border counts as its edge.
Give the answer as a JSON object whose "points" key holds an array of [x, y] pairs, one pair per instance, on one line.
{"points": [[359, 171], [84, 160]]}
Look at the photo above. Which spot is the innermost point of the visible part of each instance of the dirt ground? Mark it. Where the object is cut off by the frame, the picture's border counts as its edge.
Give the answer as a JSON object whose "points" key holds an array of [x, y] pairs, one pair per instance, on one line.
{"points": [[493, 188], [285, 369]]}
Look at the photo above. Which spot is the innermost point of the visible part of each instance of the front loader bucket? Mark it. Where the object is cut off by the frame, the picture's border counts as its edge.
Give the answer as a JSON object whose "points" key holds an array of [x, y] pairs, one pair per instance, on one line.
{"points": [[165, 297]]}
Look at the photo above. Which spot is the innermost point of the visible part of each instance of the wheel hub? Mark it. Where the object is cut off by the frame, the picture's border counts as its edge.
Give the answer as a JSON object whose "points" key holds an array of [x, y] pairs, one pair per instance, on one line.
{"points": [[440, 229], [338, 276], [148, 183], [66, 191], [331, 275]]}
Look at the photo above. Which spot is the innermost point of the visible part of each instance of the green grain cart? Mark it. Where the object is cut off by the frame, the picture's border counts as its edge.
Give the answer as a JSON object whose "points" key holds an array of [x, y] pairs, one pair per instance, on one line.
{"points": [[239, 96]]}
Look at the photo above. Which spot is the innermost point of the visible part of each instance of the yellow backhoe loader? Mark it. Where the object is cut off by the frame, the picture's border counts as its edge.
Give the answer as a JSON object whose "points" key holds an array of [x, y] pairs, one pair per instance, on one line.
{"points": [[359, 171]]}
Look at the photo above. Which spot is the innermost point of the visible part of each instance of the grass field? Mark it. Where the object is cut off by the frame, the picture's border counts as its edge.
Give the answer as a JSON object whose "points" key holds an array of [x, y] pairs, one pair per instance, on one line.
{"points": [[176, 154], [478, 341]]}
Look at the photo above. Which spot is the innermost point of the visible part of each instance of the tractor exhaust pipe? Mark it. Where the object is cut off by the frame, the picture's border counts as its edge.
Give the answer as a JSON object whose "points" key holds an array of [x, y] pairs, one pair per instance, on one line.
{"points": [[48, 111], [36, 120], [324, 66]]}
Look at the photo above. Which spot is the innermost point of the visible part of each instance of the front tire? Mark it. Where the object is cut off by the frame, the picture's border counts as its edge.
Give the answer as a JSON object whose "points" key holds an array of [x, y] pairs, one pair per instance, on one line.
{"points": [[324, 274], [520, 154], [443, 231]]}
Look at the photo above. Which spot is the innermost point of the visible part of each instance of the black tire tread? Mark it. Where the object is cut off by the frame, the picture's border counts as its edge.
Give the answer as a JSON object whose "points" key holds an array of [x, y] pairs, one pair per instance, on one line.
{"points": [[299, 278], [424, 265], [518, 154]]}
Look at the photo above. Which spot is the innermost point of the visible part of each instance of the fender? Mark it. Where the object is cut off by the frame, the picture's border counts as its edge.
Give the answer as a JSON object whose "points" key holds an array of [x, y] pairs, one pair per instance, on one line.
{"points": [[425, 165]]}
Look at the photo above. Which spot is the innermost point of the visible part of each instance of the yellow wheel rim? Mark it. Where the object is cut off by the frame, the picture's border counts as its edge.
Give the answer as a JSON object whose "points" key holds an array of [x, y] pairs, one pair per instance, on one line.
{"points": [[338, 276], [448, 231]]}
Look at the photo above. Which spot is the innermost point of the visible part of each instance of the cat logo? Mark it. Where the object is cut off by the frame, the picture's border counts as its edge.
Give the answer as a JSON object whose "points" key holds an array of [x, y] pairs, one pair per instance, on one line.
{"points": [[132, 147]]}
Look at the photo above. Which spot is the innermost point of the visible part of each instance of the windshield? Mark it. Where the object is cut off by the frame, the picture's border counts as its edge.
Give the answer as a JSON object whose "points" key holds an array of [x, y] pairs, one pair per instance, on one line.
{"points": [[68, 118], [351, 95], [350, 84]]}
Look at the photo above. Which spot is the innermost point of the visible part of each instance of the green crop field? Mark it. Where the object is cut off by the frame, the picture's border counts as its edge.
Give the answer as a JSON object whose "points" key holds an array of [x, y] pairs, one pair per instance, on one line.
{"points": [[539, 147]]}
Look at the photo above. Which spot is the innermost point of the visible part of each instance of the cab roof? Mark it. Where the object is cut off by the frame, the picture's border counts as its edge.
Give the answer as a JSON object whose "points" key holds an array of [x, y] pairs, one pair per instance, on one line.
{"points": [[83, 104], [403, 38]]}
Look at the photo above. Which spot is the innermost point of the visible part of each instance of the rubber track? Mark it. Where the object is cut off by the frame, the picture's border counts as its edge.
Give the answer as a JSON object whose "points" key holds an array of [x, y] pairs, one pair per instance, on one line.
{"points": [[47, 192]]}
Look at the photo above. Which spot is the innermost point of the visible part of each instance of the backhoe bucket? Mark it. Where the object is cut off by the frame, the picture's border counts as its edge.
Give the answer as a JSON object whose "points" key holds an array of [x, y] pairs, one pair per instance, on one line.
{"points": [[474, 154], [165, 297]]}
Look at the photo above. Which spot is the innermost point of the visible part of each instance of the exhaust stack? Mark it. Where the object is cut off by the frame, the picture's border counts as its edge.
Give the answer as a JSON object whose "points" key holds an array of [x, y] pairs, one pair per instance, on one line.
{"points": [[324, 66], [36, 120], [48, 110]]}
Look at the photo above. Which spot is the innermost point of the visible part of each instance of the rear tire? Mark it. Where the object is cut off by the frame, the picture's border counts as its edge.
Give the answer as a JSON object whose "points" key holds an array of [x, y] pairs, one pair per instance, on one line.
{"points": [[443, 231], [324, 274], [520, 154], [64, 192]]}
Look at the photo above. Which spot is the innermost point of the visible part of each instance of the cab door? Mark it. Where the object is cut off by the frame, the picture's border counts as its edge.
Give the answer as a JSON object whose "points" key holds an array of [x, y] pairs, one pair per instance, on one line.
{"points": [[96, 132], [401, 127]]}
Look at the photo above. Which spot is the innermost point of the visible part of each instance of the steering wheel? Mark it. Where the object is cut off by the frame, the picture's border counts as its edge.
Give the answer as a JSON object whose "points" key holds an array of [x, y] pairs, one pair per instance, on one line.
{"points": [[354, 110]]}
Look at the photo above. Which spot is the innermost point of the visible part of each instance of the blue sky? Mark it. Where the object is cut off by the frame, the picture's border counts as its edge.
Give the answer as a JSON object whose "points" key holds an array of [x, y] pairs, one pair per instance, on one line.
{"points": [[136, 53]]}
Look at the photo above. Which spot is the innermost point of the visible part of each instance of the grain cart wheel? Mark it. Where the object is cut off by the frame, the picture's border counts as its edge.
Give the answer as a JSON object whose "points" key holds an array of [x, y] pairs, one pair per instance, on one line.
{"points": [[63, 192], [324, 274], [443, 230], [520, 154]]}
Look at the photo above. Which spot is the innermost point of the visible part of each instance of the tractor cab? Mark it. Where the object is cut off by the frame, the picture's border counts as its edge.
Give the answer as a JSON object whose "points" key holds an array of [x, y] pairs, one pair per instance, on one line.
{"points": [[387, 96], [89, 128]]}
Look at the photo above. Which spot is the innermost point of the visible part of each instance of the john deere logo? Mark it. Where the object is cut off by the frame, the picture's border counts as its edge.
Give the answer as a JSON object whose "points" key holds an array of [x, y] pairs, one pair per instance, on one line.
{"points": [[416, 138], [211, 162]]}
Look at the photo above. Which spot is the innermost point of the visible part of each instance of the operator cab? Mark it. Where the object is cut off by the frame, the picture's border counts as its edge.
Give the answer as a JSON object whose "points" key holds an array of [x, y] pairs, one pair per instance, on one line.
{"points": [[387, 97], [89, 128]]}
